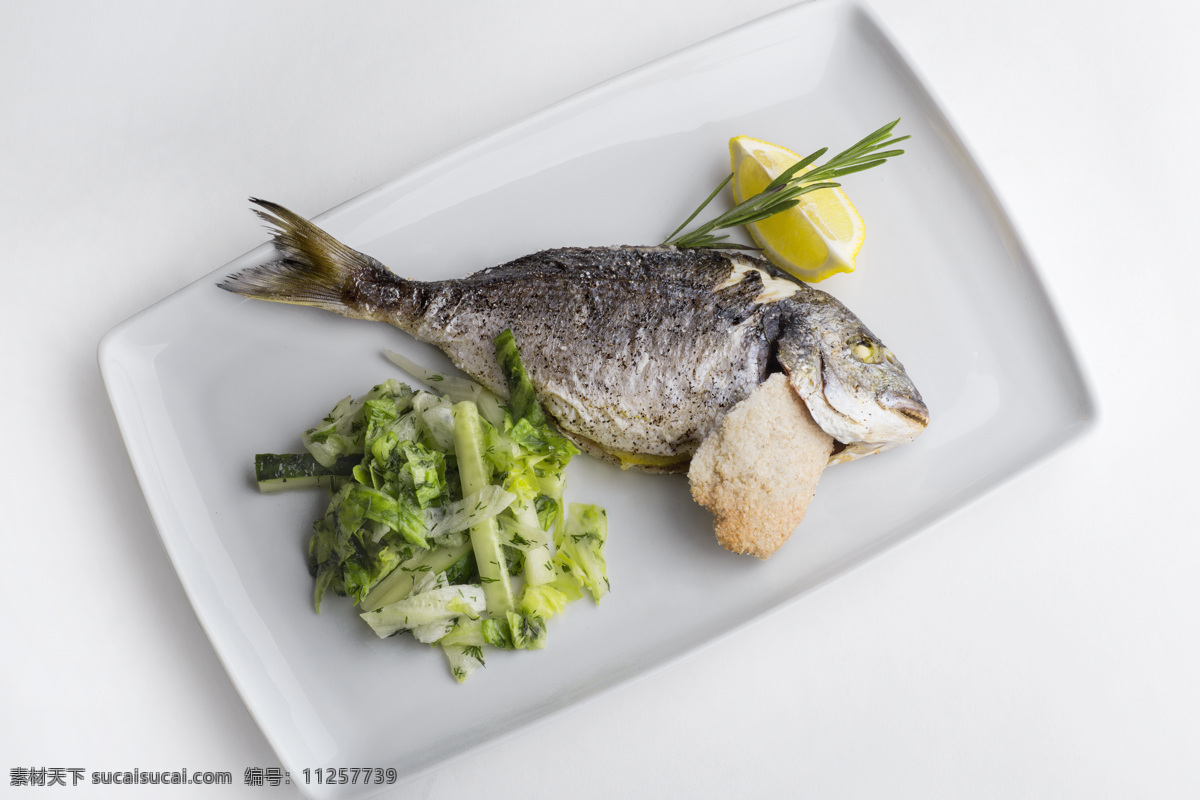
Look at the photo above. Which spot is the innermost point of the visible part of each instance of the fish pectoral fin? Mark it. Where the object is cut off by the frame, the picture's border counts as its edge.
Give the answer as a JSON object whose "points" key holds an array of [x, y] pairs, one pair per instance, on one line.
{"points": [[798, 353]]}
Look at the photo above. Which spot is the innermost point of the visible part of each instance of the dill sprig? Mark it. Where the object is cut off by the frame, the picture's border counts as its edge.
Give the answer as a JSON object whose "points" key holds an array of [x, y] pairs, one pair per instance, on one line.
{"points": [[784, 192]]}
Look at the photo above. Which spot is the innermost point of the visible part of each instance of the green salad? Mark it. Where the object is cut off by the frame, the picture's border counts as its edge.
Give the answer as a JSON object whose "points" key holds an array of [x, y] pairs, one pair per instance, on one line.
{"points": [[446, 517]]}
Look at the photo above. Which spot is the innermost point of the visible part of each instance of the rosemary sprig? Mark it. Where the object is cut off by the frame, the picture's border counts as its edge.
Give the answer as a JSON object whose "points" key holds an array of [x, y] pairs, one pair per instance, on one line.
{"points": [[784, 192]]}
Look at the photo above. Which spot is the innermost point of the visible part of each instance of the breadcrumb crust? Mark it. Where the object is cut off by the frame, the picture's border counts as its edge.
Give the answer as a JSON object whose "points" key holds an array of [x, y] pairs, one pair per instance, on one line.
{"points": [[758, 471]]}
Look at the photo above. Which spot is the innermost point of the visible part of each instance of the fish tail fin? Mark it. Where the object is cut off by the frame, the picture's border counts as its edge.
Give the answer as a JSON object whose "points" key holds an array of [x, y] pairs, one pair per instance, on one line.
{"points": [[315, 269]]}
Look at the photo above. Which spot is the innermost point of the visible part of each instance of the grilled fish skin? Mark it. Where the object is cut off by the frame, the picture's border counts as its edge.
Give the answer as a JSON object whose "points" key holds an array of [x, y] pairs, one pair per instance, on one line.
{"points": [[636, 352]]}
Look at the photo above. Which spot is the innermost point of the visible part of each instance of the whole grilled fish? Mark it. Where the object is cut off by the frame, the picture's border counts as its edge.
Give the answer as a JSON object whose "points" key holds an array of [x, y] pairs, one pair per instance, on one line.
{"points": [[636, 352]]}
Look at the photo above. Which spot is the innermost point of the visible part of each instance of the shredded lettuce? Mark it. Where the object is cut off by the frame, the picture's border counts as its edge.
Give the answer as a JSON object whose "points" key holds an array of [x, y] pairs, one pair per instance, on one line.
{"points": [[455, 559], [447, 517], [343, 429], [472, 510], [548, 599], [454, 388], [430, 612], [581, 548], [522, 399], [436, 419]]}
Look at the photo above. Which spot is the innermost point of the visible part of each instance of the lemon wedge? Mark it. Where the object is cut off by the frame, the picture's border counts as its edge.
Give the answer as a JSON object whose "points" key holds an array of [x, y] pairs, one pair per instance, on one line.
{"points": [[819, 237]]}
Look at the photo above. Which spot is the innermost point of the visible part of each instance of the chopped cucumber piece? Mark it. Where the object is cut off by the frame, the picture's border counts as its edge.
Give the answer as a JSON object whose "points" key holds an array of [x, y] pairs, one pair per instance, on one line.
{"points": [[281, 473]]}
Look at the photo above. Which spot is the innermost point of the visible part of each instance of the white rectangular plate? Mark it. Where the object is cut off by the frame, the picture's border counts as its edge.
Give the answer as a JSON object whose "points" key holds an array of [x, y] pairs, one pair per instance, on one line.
{"points": [[203, 380]]}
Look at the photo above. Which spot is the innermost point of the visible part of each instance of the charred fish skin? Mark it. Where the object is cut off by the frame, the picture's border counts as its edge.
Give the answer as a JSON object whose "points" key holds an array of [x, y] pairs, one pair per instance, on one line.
{"points": [[636, 352]]}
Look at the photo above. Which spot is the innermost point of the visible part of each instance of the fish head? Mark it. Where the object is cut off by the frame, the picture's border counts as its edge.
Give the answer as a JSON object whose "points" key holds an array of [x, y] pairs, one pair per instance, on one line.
{"points": [[867, 395], [853, 385]]}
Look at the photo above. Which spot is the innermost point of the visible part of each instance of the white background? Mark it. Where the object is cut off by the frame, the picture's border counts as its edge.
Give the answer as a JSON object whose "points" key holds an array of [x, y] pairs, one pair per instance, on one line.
{"points": [[1042, 642]]}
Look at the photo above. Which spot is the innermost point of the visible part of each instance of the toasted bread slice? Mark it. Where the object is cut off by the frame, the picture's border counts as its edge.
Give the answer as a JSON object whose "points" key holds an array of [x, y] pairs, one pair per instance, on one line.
{"points": [[758, 471]]}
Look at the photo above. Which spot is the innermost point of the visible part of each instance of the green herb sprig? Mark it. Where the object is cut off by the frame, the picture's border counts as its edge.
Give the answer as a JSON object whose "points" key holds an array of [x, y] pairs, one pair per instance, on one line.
{"points": [[784, 192]]}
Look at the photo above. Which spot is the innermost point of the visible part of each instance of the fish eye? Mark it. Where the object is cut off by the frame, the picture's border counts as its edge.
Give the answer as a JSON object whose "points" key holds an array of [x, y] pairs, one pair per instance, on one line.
{"points": [[867, 351]]}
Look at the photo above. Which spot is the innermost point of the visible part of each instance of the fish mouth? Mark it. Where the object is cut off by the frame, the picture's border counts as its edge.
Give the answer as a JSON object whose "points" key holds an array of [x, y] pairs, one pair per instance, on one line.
{"points": [[908, 407]]}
